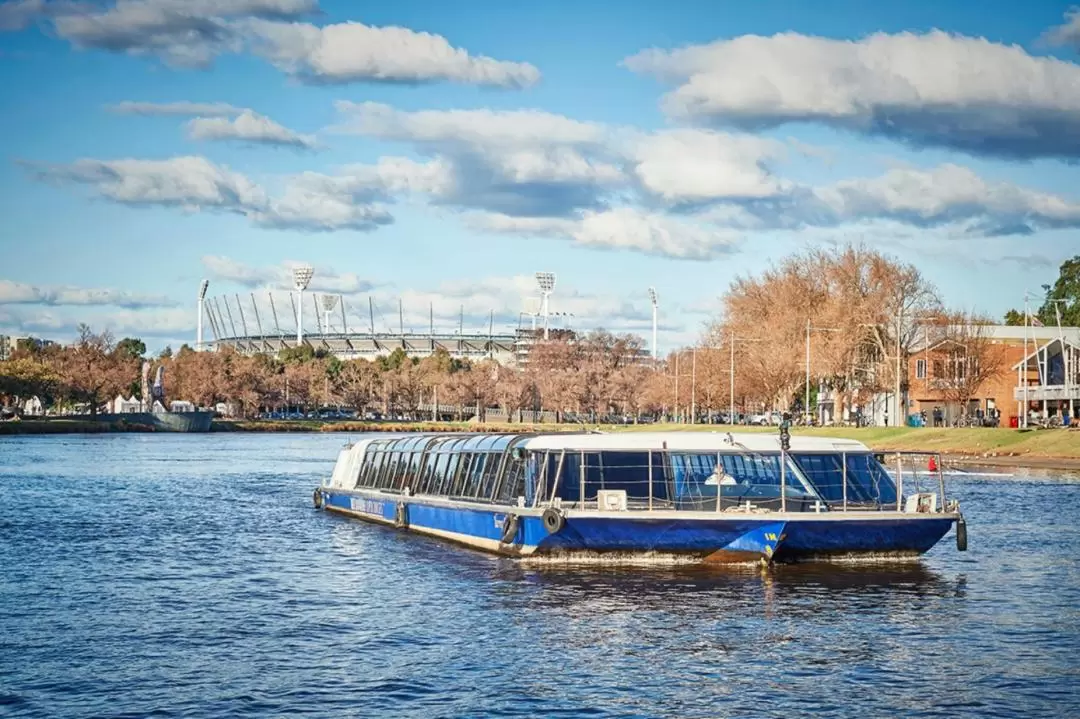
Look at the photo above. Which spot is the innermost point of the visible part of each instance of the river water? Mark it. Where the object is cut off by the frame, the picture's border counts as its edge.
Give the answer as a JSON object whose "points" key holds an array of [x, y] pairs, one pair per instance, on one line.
{"points": [[188, 575]]}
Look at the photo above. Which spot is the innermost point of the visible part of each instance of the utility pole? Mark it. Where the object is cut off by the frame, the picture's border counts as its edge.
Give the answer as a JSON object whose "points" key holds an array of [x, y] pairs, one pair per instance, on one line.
{"points": [[806, 402], [693, 385], [676, 386], [896, 403]]}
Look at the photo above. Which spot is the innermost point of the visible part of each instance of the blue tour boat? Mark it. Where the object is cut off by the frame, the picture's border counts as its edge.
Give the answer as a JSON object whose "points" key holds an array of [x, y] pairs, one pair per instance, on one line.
{"points": [[646, 497]]}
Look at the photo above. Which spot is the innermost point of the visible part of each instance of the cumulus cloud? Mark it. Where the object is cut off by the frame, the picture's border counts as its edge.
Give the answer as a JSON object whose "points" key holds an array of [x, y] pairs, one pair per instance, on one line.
{"points": [[525, 162], [1068, 33], [190, 182], [248, 126], [61, 324], [183, 33], [934, 89], [352, 51], [310, 202], [203, 109], [947, 196], [279, 277], [623, 228], [687, 166], [20, 293]]}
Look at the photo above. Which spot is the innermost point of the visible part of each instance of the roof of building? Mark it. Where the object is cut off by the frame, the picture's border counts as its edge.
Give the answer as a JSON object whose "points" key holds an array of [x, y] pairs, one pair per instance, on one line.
{"points": [[1001, 333]]}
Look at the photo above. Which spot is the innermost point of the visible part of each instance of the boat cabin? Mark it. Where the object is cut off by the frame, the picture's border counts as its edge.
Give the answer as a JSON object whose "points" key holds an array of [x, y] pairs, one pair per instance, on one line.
{"points": [[693, 471]]}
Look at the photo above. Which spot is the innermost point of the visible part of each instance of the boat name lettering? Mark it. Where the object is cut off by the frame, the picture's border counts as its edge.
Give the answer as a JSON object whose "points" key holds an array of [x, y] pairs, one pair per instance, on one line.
{"points": [[367, 506]]}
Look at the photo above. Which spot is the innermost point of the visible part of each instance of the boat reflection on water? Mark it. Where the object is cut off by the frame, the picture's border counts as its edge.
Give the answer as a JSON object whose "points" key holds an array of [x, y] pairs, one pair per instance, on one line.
{"points": [[798, 589]]}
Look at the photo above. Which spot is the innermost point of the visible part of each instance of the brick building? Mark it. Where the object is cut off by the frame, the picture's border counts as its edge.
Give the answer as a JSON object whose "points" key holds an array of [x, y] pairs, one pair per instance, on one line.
{"points": [[945, 368]]}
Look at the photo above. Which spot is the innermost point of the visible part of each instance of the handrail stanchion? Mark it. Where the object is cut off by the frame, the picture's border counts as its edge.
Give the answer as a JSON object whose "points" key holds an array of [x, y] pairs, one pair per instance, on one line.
{"points": [[783, 481], [650, 481], [718, 487], [581, 487], [558, 475], [899, 482], [941, 483], [843, 470]]}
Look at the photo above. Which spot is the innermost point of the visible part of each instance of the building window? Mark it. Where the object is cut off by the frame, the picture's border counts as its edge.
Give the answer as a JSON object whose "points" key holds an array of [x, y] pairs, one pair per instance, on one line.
{"points": [[939, 369], [920, 369]]}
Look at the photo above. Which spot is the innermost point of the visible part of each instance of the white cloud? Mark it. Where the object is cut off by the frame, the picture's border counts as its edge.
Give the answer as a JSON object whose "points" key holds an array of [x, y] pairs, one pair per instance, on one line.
{"points": [[279, 277], [20, 293], [933, 89], [352, 51], [310, 202], [695, 165], [190, 182], [1068, 33], [248, 126], [203, 109], [185, 33], [476, 128], [949, 194], [623, 228]]}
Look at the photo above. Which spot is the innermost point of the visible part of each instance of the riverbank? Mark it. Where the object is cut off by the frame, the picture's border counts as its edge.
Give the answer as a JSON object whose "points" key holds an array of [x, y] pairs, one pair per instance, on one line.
{"points": [[1045, 449]]}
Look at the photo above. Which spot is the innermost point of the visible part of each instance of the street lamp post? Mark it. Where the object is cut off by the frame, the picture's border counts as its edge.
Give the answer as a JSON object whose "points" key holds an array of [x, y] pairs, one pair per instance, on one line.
{"points": [[732, 340], [654, 299], [809, 329]]}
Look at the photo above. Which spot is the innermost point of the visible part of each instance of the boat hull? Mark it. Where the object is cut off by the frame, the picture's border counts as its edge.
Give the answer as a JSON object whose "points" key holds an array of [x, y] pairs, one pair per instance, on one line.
{"points": [[654, 536]]}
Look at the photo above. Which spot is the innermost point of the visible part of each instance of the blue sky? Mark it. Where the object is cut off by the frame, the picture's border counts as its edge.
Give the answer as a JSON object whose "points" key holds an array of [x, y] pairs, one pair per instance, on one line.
{"points": [[443, 155]]}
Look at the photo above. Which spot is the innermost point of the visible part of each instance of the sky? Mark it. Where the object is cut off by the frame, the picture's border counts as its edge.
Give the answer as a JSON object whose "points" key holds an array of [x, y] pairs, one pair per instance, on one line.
{"points": [[440, 154]]}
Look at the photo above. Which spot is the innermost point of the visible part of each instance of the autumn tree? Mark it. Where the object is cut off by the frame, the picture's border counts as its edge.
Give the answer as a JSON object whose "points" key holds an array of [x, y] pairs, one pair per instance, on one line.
{"points": [[966, 358], [90, 371]]}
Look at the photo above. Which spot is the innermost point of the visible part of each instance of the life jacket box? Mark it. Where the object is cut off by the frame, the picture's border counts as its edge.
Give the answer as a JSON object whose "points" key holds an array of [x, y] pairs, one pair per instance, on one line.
{"points": [[611, 500], [921, 503]]}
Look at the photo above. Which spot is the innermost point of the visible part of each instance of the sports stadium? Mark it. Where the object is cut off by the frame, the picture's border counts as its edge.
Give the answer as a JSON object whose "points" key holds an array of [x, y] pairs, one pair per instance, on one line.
{"points": [[271, 321]]}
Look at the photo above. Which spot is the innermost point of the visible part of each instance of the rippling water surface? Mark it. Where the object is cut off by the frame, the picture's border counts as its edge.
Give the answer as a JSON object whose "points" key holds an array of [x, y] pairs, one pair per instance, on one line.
{"points": [[158, 575]]}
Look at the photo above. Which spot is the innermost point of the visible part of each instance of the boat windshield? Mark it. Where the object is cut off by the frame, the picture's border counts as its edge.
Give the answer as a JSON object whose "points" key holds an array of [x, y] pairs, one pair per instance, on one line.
{"points": [[868, 483]]}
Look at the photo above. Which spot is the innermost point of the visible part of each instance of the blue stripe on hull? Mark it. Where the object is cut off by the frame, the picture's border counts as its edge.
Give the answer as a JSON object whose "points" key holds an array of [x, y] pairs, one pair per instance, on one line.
{"points": [[700, 537], [644, 534]]}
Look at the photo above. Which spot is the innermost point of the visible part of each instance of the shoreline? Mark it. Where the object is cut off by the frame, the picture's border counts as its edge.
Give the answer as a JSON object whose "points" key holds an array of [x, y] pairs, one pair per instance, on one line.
{"points": [[1055, 449]]}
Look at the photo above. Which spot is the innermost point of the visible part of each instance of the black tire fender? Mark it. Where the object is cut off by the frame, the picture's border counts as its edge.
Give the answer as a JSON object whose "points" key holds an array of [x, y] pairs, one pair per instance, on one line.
{"points": [[510, 529], [553, 520], [961, 535], [317, 498]]}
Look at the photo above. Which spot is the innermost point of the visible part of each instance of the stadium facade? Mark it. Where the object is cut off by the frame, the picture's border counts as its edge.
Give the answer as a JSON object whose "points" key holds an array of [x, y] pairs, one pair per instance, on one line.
{"points": [[268, 322]]}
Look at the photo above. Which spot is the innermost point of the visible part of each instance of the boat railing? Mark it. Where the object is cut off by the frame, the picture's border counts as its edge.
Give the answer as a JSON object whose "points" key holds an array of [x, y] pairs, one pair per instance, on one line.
{"points": [[910, 482]]}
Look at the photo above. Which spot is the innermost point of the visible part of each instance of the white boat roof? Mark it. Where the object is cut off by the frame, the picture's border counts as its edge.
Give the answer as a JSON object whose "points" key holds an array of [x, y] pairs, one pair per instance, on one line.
{"points": [[690, 441]]}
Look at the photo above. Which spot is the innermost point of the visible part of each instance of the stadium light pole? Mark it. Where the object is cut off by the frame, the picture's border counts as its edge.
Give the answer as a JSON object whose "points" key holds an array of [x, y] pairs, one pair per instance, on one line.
{"points": [[329, 302], [654, 299], [301, 279], [546, 281], [198, 324]]}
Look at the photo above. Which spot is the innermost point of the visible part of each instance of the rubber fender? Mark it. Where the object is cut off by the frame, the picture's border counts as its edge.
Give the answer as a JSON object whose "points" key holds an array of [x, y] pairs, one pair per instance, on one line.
{"points": [[401, 516], [317, 498], [509, 529], [961, 535], [553, 520]]}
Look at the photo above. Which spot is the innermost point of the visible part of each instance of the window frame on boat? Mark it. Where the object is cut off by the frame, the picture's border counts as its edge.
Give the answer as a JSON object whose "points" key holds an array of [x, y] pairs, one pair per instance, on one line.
{"points": [[489, 468]]}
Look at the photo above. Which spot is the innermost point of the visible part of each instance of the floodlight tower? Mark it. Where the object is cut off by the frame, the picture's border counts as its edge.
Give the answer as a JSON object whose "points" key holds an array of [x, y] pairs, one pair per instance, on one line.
{"points": [[546, 280], [655, 299], [198, 322], [301, 278], [329, 302]]}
